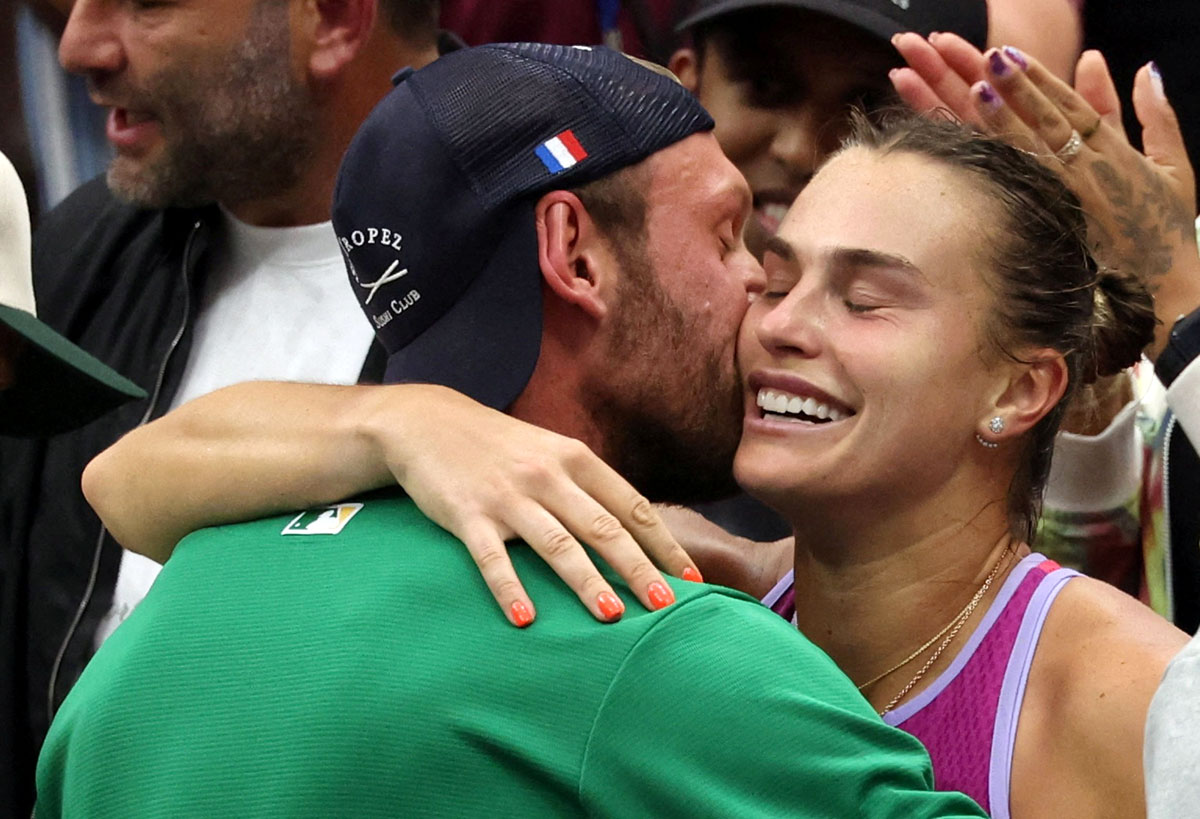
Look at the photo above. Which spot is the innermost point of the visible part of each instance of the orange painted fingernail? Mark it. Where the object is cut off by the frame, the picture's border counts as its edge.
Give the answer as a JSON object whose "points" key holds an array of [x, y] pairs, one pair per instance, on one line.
{"points": [[661, 595], [692, 576], [610, 605], [521, 615]]}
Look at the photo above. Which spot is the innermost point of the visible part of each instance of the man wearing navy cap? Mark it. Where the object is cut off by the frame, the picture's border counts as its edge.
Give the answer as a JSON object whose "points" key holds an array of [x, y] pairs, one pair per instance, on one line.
{"points": [[294, 666]]}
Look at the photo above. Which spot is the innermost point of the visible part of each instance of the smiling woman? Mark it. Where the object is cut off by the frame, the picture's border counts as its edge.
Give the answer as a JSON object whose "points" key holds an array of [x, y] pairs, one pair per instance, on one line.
{"points": [[931, 305], [941, 262]]}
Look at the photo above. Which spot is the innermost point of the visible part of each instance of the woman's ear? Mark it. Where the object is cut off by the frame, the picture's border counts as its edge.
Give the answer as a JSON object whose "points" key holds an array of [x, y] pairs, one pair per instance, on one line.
{"points": [[1034, 387], [574, 259], [337, 31], [685, 64]]}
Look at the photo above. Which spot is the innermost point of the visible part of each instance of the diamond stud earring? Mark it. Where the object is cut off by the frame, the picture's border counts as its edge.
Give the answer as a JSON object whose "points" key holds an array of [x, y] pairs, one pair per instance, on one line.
{"points": [[996, 425]]}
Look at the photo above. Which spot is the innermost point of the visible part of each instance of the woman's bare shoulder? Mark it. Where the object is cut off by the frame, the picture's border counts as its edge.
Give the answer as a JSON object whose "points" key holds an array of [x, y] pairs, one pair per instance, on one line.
{"points": [[1093, 624], [1099, 661]]}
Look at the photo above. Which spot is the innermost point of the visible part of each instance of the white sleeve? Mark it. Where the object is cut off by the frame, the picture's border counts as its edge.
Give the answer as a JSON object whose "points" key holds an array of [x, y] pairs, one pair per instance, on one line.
{"points": [[1172, 758], [1095, 473]]}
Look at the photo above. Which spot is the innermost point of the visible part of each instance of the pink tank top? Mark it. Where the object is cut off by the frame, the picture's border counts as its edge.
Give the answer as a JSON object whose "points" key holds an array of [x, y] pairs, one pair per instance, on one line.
{"points": [[967, 718]]}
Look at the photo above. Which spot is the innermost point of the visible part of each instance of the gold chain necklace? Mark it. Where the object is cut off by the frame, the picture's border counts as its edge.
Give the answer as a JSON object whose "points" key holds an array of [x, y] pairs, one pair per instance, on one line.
{"points": [[953, 628]]}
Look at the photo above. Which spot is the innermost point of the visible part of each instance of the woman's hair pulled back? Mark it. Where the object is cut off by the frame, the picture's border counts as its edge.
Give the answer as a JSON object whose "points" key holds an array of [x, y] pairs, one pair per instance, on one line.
{"points": [[1049, 291]]}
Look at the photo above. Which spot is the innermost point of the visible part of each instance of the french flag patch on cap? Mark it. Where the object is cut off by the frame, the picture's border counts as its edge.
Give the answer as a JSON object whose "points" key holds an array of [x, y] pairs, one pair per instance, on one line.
{"points": [[560, 152]]}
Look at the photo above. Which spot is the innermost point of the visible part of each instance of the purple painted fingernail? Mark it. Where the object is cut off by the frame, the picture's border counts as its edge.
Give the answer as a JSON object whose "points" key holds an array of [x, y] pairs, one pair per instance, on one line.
{"points": [[996, 63], [1156, 79], [989, 96], [1017, 56]]}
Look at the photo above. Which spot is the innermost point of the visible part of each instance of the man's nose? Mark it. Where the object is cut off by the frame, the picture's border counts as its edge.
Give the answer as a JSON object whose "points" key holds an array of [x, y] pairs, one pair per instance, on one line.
{"points": [[90, 42], [753, 277]]}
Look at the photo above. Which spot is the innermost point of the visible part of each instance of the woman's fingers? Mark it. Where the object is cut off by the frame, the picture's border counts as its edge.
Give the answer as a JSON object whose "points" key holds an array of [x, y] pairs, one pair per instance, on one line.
{"points": [[639, 523], [1025, 87], [556, 523], [1095, 84], [1000, 119], [914, 91], [490, 554], [959, 55], [1161, 135], [583, 500], [570, 499], [1172, 203], [562, 551], [929, 82]]}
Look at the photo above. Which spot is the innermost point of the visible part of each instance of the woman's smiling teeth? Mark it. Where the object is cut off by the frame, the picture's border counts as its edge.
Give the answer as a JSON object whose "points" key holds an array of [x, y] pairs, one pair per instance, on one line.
{"points": [[775, 402]]}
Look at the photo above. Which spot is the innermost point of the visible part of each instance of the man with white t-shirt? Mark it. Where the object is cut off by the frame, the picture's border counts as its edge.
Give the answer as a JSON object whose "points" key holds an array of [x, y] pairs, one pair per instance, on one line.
{"points": [[206, 260]]}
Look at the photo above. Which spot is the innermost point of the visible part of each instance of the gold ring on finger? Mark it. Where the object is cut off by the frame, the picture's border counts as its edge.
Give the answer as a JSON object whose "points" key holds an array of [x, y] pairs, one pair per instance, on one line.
{"points": [[1070, 148]]}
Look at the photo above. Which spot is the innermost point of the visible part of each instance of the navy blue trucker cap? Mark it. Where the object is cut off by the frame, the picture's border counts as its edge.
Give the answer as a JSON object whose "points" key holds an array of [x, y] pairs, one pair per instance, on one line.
{"points": [[881, 18], [435, 197]]}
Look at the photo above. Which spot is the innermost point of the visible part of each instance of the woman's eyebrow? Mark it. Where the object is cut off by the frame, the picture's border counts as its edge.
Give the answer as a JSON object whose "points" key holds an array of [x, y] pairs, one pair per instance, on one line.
{"points": [[781, 248], [847, 259]]}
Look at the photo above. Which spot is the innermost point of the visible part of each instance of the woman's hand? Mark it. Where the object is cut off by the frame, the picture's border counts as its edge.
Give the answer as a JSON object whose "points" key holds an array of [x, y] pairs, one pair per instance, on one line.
{"points": [[1140, 207], [487, 477]]}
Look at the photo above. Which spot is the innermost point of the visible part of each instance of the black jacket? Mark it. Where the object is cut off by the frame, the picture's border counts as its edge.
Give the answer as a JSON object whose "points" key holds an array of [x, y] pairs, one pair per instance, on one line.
{"points": [[1181, 477], [121, 282]]}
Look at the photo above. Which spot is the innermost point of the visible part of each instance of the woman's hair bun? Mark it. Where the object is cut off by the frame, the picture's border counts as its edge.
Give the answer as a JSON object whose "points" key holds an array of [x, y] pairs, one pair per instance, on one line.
{"points": [[1122, 325]]}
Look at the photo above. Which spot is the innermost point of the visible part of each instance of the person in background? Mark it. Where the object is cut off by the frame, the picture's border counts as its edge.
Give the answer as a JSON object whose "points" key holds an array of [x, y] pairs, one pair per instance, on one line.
{"points": [[780, 79], [1172, 766], [641, 28], [204, 258], [47, 384]]}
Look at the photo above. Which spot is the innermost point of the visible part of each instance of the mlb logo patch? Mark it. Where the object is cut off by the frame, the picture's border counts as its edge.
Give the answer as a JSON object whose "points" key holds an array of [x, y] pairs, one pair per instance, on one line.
{"points": [[560, 152], [329, 520]]}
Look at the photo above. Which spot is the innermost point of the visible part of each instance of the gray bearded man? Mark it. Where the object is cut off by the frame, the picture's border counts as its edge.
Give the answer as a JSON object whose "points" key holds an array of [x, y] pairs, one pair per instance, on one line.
{"points": [[203, 261]]}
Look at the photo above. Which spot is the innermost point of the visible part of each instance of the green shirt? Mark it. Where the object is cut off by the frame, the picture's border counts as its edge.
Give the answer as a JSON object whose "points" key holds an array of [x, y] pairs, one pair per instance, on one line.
{"points": [[369, 673]]}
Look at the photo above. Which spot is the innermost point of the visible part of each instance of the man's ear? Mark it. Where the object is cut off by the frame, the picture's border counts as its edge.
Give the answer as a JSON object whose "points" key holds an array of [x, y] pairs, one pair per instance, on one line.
{"points": [[337, 30], [574, 258], [1034, 387], [685, 64]]}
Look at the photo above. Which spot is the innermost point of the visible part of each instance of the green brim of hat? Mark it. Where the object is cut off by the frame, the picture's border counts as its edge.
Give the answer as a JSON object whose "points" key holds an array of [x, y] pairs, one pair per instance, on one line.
{"points": [[58, 386]]}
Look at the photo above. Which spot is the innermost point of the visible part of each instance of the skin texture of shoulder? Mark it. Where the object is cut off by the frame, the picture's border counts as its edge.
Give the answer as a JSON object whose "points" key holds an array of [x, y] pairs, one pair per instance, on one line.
{"points": [[1099, 660]]}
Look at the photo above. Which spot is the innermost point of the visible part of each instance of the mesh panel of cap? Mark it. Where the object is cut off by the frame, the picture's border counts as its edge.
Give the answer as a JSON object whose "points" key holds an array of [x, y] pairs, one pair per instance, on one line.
{"points": [[618, 111]]}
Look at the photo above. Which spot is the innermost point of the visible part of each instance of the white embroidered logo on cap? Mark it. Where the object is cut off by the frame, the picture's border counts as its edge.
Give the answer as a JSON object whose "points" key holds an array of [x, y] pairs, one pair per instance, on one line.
{"points": [[390, 275]]}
